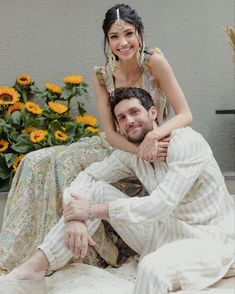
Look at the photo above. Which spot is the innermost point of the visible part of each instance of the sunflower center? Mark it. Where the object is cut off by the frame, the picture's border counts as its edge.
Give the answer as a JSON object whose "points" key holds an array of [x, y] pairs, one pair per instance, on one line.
{"points": [[6, 97], [36, 136]]}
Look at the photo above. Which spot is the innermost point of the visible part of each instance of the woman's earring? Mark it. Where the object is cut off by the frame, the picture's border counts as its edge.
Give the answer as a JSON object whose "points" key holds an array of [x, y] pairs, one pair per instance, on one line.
{"points": [[112, 60], [140, 54]]}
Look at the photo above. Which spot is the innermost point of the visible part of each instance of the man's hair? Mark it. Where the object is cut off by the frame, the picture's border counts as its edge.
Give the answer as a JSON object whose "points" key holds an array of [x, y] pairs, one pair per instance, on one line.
{"points": [[121, 94]]}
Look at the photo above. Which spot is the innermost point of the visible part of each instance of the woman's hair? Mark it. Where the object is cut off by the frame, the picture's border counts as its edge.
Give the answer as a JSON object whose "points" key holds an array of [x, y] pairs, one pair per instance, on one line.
{"points": [[127, 14]]}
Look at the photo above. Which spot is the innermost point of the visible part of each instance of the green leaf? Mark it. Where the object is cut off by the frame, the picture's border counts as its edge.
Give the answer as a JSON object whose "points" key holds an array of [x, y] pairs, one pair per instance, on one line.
{"points": [[22, 147], [81, 108], [66, 92], [16, 117], [4, 170], [55, 125], [10, 158], [5, 184], [35, 89]]}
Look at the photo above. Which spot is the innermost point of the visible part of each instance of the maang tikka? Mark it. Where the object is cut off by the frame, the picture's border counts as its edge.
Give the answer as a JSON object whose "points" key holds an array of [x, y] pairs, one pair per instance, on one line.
{"points": [[119, 23]]}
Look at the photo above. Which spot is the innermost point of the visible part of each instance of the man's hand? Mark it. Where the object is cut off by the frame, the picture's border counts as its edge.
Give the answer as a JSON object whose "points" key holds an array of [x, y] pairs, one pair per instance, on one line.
{"points": [[76, 238], [76, 209], [151, 149]]}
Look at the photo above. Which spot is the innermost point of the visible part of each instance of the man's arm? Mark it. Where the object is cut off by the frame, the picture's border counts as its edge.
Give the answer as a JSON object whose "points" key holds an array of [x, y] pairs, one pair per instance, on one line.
{"points": [[187, 156], [110, 170]]}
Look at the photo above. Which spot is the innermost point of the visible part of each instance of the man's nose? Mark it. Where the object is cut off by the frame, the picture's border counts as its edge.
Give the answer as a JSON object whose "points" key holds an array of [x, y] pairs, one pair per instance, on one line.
{"points": [[130, 120]]}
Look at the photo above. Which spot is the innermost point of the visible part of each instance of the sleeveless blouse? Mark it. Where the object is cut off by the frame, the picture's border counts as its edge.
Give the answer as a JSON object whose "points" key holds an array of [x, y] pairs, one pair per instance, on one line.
{"points": [[105, 78]]}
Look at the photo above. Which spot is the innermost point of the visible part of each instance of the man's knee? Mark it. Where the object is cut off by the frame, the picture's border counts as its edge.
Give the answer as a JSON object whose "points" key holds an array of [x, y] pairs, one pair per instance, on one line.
{"points": [[154, 265]]}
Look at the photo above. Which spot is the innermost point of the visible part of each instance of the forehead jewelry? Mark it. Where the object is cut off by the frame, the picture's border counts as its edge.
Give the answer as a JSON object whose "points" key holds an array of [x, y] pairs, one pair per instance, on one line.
{"points": [[119, 23]]}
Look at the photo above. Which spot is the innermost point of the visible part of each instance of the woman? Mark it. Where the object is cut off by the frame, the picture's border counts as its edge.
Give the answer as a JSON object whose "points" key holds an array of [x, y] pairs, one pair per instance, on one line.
{"points": [[34, 201], [129, 64]]}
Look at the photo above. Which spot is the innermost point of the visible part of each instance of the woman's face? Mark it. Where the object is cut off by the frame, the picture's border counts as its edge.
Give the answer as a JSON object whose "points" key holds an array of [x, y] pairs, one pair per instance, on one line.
{"points": [[124, 42]]}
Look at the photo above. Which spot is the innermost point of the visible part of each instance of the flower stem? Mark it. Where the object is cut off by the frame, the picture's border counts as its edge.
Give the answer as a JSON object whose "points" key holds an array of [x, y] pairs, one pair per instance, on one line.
{"points": [[24, 95]]}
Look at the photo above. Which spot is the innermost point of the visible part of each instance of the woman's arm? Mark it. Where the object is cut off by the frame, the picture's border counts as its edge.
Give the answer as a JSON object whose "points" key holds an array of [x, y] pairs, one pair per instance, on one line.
{"points": [[166, 80], [107, 121]]}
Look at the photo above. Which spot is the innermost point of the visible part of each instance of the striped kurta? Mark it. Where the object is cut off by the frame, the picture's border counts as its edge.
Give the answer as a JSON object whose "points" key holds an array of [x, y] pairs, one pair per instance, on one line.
{"points": [[188, 201]]}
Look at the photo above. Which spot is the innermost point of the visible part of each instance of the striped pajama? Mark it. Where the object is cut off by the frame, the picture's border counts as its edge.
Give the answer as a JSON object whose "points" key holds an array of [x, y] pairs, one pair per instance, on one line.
{"points": [[183, 217], [134, 235]]}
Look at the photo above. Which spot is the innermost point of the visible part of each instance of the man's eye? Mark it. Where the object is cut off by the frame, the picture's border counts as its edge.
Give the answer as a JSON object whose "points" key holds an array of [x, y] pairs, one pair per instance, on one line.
{"points": [[134, 111]]}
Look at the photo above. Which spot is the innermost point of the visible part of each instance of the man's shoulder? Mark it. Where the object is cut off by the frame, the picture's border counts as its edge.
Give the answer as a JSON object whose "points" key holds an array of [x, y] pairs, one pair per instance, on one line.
{"points": [[187, 134], [186, 143], [122, 155]]}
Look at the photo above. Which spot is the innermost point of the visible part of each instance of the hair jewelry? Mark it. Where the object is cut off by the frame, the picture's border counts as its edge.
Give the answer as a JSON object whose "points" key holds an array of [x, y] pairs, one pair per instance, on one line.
{"points": [[119, 23]]}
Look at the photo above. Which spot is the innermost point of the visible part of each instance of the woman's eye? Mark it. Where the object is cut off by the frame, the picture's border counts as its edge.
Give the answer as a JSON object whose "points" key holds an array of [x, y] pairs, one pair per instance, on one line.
{"points": [[129, 34]]}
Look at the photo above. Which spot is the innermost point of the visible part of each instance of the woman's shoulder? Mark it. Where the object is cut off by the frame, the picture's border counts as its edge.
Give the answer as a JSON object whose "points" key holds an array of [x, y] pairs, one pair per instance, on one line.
{"points": [[151, 56], [104, 77], [100, 73]]}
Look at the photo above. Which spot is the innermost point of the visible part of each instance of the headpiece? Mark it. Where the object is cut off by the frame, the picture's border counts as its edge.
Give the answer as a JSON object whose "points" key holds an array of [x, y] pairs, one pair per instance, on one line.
{"points": [[119, 23]]}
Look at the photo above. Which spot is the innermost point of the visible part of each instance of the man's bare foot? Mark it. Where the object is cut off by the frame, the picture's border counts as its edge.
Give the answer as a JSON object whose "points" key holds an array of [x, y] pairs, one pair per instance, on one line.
{"points": [[32, 269]]}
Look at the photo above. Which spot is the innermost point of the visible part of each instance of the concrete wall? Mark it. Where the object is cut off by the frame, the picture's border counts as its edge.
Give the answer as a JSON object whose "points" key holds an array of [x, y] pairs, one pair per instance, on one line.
{"points": [[49, 39]]}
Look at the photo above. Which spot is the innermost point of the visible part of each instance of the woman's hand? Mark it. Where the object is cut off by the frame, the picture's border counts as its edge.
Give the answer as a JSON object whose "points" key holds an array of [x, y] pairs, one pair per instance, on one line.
{"points": [[76, 238], [76, 209], [151, 149]]}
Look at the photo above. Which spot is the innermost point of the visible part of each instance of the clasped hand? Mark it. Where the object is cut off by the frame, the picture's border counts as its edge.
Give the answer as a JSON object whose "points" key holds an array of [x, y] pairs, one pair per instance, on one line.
{"points": [[76, 236], [76, 209], [151, 149]]}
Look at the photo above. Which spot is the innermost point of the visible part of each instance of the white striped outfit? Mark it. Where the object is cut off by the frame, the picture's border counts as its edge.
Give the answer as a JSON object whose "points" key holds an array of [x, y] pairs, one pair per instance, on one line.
{"points": [[179, 229]]}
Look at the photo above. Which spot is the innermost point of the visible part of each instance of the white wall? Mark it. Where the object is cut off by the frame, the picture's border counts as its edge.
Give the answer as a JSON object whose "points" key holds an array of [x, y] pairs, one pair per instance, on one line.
{"points": [[49, 39]]}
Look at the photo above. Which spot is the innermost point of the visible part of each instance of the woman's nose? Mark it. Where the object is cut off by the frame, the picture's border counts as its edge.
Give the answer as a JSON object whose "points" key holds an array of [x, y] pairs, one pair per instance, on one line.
{"points": [[123, 41]]}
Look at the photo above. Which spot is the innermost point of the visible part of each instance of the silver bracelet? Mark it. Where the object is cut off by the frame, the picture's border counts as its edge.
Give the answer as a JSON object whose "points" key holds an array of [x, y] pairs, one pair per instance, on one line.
{"points": [[89, 212]]}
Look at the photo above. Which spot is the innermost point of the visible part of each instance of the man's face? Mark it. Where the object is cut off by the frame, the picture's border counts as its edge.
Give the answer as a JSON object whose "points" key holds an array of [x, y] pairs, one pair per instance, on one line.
{"points": [[134, 120]]}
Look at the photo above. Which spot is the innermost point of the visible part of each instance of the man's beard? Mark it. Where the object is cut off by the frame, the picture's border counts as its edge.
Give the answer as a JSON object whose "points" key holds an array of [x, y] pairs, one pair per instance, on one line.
{"points": [[139, 138]]}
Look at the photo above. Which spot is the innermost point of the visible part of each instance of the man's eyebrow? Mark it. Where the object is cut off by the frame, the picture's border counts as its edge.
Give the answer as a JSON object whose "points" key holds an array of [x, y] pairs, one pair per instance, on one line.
{"points": [[119, 115]]}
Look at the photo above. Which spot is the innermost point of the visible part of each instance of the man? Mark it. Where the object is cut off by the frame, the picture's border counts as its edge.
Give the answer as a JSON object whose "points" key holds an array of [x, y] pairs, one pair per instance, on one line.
{"points": [[178, 229]]}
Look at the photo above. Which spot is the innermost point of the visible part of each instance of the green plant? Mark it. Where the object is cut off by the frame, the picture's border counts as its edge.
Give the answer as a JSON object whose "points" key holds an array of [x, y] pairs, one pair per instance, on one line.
{"points": [[26, 126]]}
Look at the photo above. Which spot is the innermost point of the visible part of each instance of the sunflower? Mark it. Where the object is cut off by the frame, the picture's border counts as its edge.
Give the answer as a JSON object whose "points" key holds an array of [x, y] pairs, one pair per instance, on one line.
{"points": [[86, 119], [8, 95], [23, 80], [33, 107], [73, 80], [60, 136], [93, 130], [58, 107], [38, 135], [17, 161], [18, 106], [53, 88], [3, 145]]}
